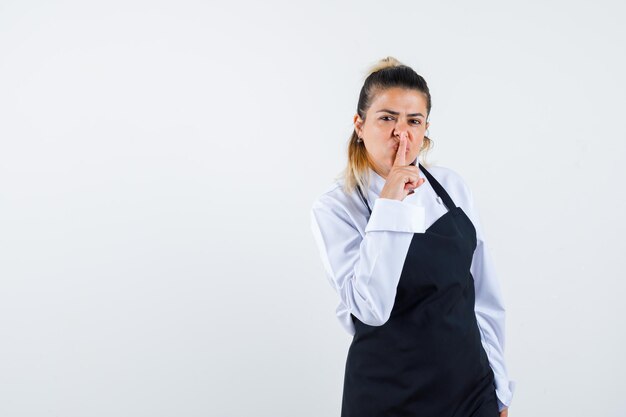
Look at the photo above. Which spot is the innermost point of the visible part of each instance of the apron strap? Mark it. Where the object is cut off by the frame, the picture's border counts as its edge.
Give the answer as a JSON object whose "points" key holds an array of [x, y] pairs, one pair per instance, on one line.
{"points": [[441, 192], [358, 188]]}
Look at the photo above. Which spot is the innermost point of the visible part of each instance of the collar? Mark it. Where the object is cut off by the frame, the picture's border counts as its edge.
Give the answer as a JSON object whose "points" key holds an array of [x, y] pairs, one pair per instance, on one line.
{"points": [[376, 182]]}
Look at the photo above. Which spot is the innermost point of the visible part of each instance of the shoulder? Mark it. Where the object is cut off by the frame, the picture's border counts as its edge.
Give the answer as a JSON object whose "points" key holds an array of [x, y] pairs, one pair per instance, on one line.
{"points": [[335, 203], [332, 196], [453, 182]]}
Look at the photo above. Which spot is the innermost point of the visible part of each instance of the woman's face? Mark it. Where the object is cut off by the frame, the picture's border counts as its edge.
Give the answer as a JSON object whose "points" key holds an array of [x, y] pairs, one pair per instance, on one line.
{"points": [[393, 112]]}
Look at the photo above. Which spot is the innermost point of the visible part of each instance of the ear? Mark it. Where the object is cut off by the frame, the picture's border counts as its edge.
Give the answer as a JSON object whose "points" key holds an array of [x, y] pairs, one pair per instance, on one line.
{"points": [[358, 124], [427, 124]]}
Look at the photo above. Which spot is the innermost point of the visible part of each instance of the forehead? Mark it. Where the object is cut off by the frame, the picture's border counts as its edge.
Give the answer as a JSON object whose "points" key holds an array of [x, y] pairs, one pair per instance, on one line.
{"points": [[399, 99]]}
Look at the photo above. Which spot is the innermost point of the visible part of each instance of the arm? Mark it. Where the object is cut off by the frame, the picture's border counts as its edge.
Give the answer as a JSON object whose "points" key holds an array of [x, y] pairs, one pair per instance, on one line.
{"points": [[490, 310], [365, 270]]}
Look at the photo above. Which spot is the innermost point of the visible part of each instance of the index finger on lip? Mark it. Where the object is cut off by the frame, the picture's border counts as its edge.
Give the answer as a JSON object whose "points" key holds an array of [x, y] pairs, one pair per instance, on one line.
{"points": [[401, 152]]}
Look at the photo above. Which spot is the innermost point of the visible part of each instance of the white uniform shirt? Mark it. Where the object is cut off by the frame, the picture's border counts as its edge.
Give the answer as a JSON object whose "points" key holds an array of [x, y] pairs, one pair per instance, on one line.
{"points": [[363, 259]]}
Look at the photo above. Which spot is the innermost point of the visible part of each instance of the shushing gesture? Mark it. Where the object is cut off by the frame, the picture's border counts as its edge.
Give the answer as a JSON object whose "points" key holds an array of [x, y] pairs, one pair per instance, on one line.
{"points": [[402, 178]]}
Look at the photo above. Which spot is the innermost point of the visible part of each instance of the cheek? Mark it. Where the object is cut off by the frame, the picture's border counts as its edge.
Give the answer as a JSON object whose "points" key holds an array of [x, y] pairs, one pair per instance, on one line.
{"points": [[380, 130]]}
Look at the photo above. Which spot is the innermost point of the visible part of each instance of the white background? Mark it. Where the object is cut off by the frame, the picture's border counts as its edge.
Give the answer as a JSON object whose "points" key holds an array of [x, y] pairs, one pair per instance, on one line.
{"points": [[158, 161]]}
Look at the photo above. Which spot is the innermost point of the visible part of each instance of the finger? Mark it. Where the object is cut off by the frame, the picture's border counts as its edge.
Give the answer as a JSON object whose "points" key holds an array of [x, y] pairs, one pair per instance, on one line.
{"points": [[420, 182], [411, 172], [401, 153], [412, 185]]}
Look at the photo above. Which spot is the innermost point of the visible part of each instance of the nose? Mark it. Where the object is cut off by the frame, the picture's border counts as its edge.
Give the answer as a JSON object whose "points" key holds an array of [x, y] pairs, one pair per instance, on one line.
{"points": [[401, 127]]}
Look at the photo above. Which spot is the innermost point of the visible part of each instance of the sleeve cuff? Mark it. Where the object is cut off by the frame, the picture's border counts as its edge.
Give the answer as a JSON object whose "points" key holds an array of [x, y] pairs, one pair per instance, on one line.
{"points": [[508, 398], [396, 216], [501, 406]]}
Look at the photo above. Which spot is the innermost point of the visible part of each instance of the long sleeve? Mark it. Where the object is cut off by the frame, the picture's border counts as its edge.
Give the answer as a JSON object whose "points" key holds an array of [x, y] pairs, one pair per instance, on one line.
{"points": [[490, 310], [365, 269]]}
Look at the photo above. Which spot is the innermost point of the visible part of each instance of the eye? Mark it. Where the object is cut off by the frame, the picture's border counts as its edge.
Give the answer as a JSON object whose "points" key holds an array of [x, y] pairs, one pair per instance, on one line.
{"points": [[419, 122], [385, 117]]}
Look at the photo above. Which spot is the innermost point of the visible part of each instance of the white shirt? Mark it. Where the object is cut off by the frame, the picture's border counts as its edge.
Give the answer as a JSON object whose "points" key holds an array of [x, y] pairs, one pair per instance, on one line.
{"points": [[363, 259]]}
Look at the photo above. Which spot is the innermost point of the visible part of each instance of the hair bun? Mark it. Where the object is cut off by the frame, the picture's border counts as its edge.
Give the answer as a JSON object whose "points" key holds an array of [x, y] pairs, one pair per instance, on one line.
{"points": [[387, 62]]}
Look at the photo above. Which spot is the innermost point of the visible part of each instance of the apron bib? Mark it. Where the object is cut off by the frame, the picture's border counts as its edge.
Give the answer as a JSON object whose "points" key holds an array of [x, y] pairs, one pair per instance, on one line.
{"points": [[427, 359]]}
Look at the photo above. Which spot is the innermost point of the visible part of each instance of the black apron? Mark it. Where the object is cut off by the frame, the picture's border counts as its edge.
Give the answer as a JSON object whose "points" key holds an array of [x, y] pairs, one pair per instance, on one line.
{"points": [[427, 359]]}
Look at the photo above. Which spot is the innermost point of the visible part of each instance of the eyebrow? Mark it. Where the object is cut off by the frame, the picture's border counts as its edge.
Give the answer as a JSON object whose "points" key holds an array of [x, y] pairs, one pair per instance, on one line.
{"points": [[396, 113]]}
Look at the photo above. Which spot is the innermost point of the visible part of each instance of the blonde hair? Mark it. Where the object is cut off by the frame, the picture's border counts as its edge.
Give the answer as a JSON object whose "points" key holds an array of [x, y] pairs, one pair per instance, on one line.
{"points": [[384, 74]]}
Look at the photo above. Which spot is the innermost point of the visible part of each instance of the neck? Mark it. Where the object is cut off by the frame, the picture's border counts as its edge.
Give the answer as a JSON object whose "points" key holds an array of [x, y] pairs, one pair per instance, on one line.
{"points": [[379, 171]]}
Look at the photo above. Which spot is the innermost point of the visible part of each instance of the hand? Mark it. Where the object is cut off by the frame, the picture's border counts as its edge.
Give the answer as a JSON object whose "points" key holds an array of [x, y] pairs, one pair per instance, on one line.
{"points": [[504, 412], [402, 178]]}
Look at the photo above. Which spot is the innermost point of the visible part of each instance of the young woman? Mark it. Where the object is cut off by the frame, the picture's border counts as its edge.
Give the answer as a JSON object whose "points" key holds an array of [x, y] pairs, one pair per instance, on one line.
{"points": [[402, 246]]}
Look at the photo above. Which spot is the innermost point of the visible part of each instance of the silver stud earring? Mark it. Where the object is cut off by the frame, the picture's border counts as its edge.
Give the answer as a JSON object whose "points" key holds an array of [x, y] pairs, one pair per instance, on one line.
{"points": [[359, 139]]}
